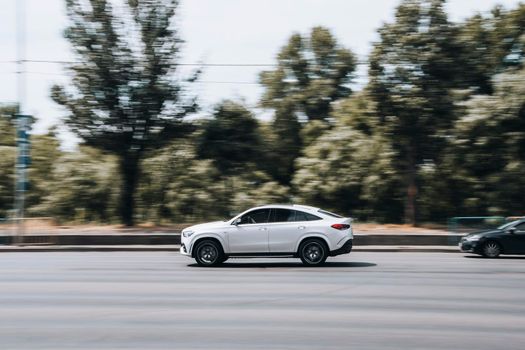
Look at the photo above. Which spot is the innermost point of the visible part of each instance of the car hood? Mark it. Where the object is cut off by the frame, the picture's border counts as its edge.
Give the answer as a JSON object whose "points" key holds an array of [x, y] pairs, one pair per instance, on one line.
{"points": [[206, 226]]}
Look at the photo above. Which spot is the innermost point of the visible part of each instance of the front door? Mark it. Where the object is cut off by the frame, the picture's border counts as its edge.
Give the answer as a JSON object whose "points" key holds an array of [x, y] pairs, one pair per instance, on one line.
{"points": [[251, 234], [516, 241]]}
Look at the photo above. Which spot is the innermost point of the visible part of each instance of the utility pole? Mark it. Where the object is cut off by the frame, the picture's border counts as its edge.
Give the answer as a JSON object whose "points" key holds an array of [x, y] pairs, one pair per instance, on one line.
{"points": [[23, 122]]}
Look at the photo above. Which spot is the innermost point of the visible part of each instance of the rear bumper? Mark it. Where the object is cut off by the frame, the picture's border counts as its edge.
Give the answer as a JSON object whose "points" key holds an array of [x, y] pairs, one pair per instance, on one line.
{"points": [[345, 249]]}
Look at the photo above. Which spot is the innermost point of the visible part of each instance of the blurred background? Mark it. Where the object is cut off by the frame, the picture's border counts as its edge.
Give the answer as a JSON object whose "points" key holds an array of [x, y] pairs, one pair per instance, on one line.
{"points": [[162, 112]]}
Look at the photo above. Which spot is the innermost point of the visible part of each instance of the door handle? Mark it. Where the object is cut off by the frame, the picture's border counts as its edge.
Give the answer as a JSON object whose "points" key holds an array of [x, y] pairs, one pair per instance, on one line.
{"points": [[301, 227], [262, 228]]}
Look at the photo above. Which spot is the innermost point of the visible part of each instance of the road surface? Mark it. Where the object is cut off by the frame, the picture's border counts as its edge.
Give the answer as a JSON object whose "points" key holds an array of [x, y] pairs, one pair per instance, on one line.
{"points": [[160, 300]]}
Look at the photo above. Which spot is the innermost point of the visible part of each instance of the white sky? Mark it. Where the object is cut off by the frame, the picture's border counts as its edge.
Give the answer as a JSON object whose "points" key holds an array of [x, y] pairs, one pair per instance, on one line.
{"points": [[215, 31]]}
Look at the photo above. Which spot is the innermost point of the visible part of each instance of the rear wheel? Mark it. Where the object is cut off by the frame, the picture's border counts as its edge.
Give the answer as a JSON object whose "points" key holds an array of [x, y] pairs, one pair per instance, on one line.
{"points": [[313, 252], [208, 253], [491, 249]]}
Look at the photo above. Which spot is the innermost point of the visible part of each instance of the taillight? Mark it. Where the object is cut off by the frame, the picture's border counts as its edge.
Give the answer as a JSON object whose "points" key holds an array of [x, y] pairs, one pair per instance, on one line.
{"points": [[341, 226]]}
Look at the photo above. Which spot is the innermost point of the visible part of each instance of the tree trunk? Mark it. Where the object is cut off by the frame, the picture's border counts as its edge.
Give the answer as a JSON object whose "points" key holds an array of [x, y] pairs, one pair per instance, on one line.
{"points": [[129, 168], [410, 203]]}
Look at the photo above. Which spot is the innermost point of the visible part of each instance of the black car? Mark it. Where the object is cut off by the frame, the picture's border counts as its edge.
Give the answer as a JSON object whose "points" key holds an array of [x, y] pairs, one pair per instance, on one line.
{"points": [[506, 239]]}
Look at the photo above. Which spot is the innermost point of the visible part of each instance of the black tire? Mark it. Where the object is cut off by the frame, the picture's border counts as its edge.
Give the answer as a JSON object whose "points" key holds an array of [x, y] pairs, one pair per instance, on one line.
{"points": [[313, 252], [491, 249], [208, 253]]}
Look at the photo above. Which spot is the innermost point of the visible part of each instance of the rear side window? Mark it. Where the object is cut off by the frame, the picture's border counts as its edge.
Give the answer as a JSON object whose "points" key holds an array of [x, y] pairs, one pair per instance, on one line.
{"points": [[282, 215], [329, 214], [287, 215], [302, 216]]}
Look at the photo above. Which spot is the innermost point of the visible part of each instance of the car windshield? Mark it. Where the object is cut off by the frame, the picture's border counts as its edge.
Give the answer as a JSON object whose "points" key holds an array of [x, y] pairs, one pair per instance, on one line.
{"points": [[508, 224]]}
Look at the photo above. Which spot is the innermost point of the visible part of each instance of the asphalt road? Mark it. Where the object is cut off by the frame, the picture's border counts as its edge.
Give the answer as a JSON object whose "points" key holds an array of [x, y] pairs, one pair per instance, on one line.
{"points": [[160, 300]]}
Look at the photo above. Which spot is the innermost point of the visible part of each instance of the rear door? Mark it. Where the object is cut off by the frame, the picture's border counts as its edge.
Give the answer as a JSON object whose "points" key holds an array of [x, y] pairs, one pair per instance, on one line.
{"points": [[285, 228]]}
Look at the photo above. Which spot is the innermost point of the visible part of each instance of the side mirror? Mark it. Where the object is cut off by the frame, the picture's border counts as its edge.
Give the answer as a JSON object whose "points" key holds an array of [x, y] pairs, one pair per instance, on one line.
{"points": [[512, 230], [236, 221]]}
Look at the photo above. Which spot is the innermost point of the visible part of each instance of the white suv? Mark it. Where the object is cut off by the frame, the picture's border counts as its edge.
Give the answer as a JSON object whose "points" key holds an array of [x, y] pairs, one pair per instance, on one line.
{"points": [[304, 232]]}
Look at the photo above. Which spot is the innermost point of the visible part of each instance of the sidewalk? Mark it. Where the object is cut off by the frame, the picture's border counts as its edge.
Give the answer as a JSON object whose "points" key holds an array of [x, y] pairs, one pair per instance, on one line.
{"points": [[156, 238]]}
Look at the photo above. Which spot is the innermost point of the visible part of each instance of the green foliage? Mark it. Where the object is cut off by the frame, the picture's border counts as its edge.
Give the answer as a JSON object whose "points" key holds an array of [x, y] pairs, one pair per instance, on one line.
{"points": [[490, 44], [312, 72], [350, 171], [231, 138], [284, 144], [81, 187], [7, 159], [177, 186], [488, 149], [45, 152]]}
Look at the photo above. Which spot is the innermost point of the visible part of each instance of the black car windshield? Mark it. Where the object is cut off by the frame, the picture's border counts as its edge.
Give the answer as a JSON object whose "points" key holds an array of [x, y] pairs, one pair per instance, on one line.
{"points": [[508, 224]]}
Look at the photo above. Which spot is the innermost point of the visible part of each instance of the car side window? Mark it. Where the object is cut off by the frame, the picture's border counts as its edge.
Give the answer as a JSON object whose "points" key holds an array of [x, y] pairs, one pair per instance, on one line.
{"points": [[288, 215], [283, 215], [259, 216], [520, 228], [302, 216]]}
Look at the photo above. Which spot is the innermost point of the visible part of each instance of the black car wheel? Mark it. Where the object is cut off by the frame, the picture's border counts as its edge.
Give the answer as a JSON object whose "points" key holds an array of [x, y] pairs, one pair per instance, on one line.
{"points": [[313, 252], [491, 249], [208, 253]]}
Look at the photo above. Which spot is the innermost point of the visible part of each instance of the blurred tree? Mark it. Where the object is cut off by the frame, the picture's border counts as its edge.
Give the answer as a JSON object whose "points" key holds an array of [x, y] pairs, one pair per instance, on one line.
{"points": [[45, 152], [82, 187], [351, 169], [312, 72], [491, 44], [283, 144], [487, 152], [124, 98], [412, 70], [7, 158], [177, 185], [230, 139]]}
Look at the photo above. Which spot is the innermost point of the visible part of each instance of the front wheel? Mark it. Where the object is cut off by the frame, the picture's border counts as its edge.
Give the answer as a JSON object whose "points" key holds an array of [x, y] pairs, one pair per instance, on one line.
{"points": [[208, 253], [313, 252], [491, 249]]}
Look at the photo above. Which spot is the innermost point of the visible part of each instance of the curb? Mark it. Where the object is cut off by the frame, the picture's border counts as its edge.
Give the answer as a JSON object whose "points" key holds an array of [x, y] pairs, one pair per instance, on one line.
{"points": [[175, 248]]}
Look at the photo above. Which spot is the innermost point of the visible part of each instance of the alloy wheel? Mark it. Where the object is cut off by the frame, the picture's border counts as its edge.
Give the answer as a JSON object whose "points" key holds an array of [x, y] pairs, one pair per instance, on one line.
{"points": [[208, 254], [491, 250]]}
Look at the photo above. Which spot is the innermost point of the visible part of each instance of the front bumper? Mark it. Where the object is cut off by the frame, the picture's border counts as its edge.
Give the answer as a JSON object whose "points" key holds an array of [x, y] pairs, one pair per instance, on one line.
{"points": [[345, 249], [184, 250], [468, 246]]}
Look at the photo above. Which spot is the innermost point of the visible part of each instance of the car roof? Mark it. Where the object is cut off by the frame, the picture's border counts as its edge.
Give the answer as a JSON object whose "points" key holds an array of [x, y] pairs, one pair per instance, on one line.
{"points": [[289, 206]]}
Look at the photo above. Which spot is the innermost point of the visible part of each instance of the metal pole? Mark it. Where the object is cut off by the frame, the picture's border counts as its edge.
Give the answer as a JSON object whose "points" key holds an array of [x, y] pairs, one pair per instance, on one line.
{"points": [[20, 171]]}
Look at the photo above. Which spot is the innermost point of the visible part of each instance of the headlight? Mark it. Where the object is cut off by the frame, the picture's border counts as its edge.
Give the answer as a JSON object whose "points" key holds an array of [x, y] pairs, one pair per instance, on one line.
{"points": [[187, 233], [473, 238]]}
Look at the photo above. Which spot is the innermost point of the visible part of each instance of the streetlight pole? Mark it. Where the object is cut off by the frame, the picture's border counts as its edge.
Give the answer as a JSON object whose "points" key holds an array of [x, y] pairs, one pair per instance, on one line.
{"points": [[22, 124]]}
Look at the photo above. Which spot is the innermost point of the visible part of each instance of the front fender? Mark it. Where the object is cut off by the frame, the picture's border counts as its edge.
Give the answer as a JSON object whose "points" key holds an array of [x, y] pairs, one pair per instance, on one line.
{"points": [[198, 236]]}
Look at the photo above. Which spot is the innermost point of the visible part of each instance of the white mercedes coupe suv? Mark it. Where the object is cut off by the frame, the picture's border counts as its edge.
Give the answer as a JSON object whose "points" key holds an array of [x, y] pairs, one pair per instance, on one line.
{"points": [[299, 231]]}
